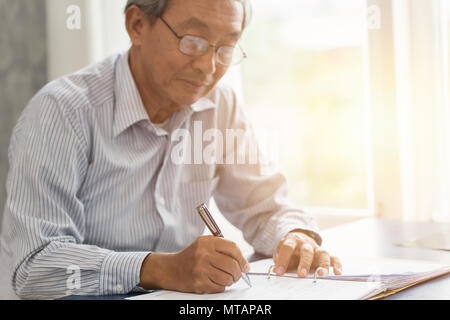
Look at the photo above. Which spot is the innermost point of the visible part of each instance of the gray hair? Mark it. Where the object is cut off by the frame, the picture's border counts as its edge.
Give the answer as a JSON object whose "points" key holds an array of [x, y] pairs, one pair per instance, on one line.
{"points": [[156, 8]]}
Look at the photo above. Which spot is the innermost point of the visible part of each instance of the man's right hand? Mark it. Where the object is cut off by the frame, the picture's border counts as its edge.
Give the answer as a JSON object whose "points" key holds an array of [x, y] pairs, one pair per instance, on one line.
{"points": [[209, 265]]}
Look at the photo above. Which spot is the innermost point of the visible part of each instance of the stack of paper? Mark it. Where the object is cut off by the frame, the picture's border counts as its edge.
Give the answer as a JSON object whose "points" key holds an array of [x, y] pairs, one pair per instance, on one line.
{"points": [[279, 288], [366, 279], [394, 275]]}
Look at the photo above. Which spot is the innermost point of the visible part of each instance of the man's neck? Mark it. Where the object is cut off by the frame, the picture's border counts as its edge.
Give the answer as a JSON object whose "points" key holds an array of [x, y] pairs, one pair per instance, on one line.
{"points": [[158, 109]]}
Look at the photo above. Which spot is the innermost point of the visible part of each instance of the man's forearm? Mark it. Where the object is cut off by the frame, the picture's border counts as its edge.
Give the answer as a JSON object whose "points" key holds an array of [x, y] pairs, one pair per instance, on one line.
{"points": [[63, 269]]}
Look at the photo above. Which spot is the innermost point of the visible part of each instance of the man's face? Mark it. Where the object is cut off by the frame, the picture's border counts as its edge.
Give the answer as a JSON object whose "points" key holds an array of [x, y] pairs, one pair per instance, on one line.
{"points": [[175, 76]]}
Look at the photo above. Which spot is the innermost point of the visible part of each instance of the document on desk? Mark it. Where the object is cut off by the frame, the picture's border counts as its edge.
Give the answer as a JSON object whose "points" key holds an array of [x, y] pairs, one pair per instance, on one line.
{"points": [[366, 279], [278, 288], [289, 287]]}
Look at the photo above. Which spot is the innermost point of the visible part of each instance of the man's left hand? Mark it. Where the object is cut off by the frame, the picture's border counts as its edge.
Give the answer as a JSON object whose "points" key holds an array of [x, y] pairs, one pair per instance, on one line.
{"points": [[300, 251]]}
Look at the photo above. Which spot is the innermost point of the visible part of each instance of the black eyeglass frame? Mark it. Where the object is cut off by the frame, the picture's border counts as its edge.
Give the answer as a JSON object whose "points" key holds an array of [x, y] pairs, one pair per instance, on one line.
{"points": [[180, 38]]}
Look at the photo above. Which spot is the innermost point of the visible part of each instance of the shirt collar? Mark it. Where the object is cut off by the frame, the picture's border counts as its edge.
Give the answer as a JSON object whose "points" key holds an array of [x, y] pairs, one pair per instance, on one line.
{"points": [[129, 108], [202, 105]]}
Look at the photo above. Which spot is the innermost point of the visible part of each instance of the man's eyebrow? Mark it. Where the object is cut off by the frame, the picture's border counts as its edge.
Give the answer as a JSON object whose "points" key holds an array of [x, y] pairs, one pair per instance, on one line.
{"points": [[197, 23], [194, 22]]}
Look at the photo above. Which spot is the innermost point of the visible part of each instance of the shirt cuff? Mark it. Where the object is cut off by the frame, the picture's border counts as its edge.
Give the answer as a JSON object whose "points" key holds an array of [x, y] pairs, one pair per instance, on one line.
{"points": [[311, 233], [120, 272]]}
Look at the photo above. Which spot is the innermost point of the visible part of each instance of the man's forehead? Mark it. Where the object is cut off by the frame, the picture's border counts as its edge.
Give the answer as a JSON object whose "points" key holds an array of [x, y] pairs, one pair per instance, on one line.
{"points": [[196, 23], [207, 14]]}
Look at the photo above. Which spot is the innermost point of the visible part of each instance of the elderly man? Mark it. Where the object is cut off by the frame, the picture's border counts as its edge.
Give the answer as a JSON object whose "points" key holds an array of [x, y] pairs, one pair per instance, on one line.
{"points": [[94, 191]]}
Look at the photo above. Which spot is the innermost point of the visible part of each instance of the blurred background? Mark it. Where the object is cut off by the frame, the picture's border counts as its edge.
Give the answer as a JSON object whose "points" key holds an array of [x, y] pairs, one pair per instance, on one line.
{"points": [[357, 90]]}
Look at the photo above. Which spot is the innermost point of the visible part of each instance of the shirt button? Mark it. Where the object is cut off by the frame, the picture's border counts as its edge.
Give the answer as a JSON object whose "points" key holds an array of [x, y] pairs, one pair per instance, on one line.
{"points": [[161, 201], [119, 288]]}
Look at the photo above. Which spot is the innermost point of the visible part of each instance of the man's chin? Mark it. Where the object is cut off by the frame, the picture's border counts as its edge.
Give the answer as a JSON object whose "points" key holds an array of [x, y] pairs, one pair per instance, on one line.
{"points": [[189, 94], [190, 99]]}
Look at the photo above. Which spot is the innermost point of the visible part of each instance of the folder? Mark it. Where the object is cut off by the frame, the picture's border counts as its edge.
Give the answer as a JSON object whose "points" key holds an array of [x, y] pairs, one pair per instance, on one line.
{"points": [[369, 279]]}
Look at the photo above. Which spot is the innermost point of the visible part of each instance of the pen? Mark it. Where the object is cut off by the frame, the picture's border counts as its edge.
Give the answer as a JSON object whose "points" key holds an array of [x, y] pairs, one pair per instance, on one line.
{"points": [[215, 230]]}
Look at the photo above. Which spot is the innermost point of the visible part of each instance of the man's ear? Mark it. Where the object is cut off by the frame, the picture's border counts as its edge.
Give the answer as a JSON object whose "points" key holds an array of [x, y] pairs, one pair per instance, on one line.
{"points": [[135, 22]]}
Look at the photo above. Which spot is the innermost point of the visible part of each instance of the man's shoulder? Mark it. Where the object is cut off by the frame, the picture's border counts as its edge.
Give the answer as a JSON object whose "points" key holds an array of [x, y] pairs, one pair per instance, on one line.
{"points": [[90, 86]]}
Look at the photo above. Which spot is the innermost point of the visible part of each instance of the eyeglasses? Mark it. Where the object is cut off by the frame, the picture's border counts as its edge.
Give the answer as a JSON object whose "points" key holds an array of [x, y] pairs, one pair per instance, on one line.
{"points": [[196, 46]]}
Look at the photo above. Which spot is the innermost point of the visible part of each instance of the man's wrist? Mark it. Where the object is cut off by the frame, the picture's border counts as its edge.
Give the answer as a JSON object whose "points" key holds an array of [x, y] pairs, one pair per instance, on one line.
{"points": [[155, 271], [313, 235]]}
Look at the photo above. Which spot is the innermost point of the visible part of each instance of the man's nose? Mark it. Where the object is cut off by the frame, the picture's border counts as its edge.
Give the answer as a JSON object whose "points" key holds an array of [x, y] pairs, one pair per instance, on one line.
{"points": [[206, 63]]}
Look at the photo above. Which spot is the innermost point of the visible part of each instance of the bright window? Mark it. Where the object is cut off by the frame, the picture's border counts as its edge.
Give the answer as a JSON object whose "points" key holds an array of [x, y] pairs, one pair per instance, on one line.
{"points": [[448, 33], [304, 82]]}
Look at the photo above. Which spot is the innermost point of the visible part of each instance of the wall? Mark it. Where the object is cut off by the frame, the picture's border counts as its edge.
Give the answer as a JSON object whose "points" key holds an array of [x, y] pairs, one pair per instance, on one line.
{"points": [[23, 68], [101, 33]]}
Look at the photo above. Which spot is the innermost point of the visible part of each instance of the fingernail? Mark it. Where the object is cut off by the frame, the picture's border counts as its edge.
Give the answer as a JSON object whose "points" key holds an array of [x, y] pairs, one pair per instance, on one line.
{"points": [[304, 272], [323, 272], [279, 270], [247, 268]]}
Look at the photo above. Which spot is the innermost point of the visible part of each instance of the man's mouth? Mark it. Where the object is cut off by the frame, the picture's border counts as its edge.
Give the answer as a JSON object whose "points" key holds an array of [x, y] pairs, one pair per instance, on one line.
{"points": [[195, 84]]}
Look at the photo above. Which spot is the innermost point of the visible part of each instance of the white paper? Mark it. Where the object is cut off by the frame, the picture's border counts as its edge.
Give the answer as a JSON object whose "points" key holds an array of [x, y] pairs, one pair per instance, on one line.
{"points": [[363, 273], [366, 266], [437, 241], [279, 288]]}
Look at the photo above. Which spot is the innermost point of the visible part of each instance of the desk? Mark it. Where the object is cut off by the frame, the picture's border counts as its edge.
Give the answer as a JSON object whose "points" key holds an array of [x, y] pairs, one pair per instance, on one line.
{"points": [[375, 238]]}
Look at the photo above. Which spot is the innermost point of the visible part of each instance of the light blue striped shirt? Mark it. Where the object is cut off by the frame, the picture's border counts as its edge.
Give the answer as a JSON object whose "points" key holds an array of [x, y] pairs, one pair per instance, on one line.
{"points": [[92, 186]]}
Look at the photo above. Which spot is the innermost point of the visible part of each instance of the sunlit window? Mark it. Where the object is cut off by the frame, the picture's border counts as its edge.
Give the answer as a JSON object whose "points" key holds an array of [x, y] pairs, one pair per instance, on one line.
{"points": [[448, 33], [304, 80]]}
